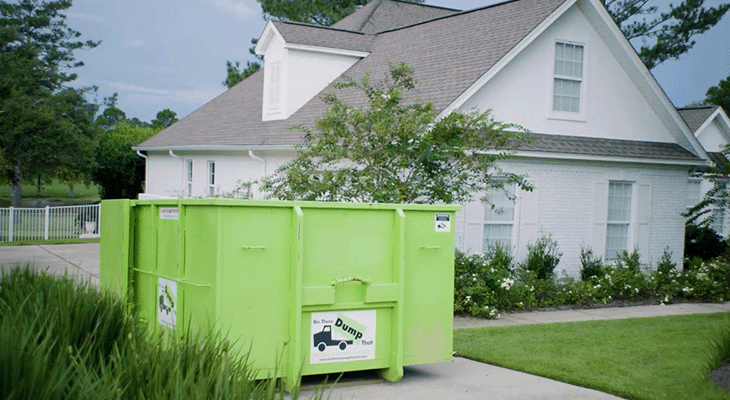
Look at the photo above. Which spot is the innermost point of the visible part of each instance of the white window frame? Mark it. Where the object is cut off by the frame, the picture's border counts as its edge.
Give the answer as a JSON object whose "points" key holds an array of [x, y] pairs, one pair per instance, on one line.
{"points": [[189, 177], [613, 224], [211, 178], [501, 216], [579, 79]]}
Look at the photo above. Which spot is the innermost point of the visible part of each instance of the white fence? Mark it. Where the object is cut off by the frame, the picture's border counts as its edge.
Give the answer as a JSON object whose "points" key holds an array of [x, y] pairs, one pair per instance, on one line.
{"points": [[49, 223]]}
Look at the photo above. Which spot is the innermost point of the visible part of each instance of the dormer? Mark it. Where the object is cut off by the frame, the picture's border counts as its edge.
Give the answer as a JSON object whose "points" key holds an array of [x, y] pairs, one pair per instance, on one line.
{"points": [[300, 60]]}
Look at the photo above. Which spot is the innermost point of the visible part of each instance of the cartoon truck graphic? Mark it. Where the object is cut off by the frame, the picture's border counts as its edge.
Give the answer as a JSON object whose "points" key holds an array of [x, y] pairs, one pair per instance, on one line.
{"points": [[324, 339], [166, 303]]}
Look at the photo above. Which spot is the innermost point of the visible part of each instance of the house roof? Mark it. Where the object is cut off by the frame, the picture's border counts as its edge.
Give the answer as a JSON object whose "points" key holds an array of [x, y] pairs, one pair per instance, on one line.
{"points": [[695, 117], [467, 44], [450, 52], [600, 147], [314, 35], [379, 16]]}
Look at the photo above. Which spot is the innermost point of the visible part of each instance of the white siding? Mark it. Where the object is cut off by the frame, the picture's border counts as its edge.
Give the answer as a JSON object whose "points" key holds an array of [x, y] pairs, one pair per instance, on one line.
{"points": [[611, 104], [168, 176], [570, 202], [712, 137]]}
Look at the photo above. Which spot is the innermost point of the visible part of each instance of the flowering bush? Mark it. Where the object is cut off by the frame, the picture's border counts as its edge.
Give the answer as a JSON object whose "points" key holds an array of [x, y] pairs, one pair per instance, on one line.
{"points": [[486, 284]]}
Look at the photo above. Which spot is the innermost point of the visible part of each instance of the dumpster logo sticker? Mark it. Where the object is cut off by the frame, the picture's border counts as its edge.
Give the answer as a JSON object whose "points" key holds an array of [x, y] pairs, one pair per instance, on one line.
{"points": [[342, 336], [169, 213], [443, 222], [166, 302]]}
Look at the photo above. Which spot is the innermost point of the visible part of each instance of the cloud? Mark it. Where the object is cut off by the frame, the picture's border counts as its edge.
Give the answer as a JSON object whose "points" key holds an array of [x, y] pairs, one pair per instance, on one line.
{"points": [[135, 43], [238, 8], [85, 17], [147, 95]]}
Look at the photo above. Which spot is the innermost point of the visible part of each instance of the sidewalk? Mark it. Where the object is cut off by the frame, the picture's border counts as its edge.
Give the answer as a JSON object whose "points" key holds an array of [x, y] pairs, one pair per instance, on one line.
{"points": [[459, 379]]}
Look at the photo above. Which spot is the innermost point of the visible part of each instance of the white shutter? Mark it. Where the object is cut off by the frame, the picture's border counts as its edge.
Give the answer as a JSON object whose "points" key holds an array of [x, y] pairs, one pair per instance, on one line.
{"points": [[643, 222], [529, 228], [600, 214], [474, 229]]}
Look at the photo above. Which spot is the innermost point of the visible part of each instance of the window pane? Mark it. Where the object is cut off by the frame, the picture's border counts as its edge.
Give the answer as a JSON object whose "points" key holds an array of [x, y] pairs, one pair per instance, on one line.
{"points": [[497, 234], [694, 193], [718, 220], [619, 202], [504, 206], [617, 236], [566, 95]]}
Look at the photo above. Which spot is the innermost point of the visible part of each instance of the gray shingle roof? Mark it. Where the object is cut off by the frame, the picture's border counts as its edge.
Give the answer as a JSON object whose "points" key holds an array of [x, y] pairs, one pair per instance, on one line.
{"points": [[379, 16], [313, 35], [447, 54], [607, 148], [696, 116]]}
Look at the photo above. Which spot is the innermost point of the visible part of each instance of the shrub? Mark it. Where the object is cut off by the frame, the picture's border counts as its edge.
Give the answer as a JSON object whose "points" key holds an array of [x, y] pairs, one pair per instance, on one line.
{"points": [[482, 282], [664, 281], [542, 258], [590, 264], [703, 242], [61, 339]]}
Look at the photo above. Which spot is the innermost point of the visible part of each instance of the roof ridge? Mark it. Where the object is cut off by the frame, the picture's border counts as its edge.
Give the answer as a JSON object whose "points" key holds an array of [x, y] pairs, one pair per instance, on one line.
{"points": [[323, 27], [464, 12], [427, 5], [377, 3], [697, 107]]}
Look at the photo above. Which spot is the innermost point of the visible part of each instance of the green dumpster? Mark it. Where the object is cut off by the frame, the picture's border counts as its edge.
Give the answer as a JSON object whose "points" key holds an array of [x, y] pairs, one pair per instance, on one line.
{"points": [[325, 287]]}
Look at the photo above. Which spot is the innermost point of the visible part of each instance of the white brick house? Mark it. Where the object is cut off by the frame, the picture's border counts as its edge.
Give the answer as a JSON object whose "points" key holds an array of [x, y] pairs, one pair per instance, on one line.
{"points": [[611, 159], [711, 126]]}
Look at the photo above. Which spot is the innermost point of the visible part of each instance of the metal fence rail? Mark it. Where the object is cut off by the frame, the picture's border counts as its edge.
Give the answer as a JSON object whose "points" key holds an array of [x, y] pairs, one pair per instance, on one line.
{"points": [[49, 223]]}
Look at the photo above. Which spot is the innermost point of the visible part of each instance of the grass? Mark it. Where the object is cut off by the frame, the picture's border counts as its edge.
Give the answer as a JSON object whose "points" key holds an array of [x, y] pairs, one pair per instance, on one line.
{"points": [[56, 241], [642, 358], [61, 339], [54, 190]]}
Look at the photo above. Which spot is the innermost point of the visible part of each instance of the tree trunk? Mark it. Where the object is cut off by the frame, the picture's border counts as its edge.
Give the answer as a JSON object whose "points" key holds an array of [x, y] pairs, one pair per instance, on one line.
{"points": [[38, 187], [71, 191], [15, 189]]}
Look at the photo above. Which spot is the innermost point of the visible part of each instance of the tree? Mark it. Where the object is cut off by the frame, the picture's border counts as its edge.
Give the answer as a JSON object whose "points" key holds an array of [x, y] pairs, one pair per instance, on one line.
{"points": [[112, 114], [667, 35], [37, 53], [118, 170], [720, 95], [392, 151], [164, 119], [236, 75]]}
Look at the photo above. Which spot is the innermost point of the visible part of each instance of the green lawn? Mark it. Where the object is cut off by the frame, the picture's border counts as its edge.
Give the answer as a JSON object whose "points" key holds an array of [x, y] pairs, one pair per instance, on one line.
{"points": [[642, 358], [55, 190]]}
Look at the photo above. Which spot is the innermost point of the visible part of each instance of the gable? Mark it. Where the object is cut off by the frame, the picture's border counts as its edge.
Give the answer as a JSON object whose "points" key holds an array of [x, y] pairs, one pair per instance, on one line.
{"points": [[612, 105], [714, 134]]}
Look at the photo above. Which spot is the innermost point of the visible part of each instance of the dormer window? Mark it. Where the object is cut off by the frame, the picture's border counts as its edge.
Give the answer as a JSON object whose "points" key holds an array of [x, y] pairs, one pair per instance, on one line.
{"points": [[274, 85], [568, 77]]}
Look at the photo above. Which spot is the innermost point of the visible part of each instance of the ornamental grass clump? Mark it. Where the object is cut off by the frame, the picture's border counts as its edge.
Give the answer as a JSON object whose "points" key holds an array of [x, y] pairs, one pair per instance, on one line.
{"points": [[62, 339]]}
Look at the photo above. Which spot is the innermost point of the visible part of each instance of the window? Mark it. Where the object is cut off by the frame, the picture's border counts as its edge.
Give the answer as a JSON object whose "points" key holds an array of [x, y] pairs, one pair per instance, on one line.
{"points": [[568, 77], [499, 218], [619, 219], [718, 220], [189, 177], [211, 178], [274, 85], [694, 192]]}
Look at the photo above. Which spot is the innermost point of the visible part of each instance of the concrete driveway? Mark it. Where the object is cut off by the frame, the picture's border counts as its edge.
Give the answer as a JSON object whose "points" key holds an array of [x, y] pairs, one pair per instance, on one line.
{"points": [[80, 261]]}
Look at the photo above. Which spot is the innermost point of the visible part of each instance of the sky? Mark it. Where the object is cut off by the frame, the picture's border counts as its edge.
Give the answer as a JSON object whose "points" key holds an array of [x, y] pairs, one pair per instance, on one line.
{"points": [[159, 54]]}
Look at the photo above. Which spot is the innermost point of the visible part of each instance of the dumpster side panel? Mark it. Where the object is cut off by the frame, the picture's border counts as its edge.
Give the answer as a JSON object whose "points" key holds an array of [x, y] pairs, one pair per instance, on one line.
{"points": [[255, 274], [115, 246], [200, 267], [429, 290]]}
